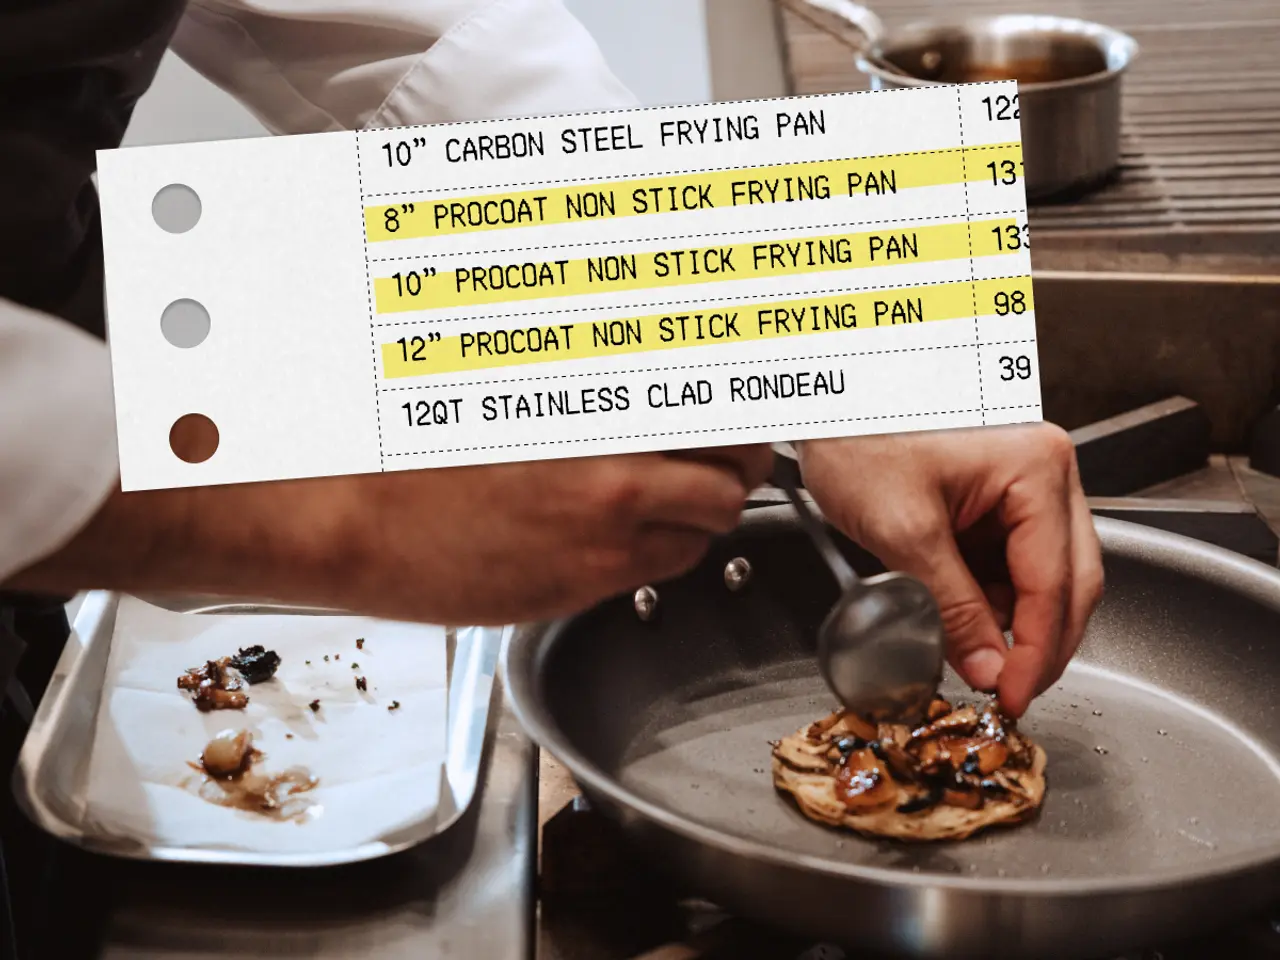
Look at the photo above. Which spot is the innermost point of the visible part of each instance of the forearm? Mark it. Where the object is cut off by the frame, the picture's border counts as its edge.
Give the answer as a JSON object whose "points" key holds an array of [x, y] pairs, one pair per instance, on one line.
{"points": [[218, 540]]}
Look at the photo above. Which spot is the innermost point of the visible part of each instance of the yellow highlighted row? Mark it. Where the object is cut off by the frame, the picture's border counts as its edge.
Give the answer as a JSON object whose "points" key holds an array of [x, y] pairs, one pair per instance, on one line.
{"points": [[417, 356], [483, 283], [780, 183]]}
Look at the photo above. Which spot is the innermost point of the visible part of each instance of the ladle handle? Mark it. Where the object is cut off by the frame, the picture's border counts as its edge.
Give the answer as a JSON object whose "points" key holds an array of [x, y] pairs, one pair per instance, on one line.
{"points": [[840, 569], [855, 15]]}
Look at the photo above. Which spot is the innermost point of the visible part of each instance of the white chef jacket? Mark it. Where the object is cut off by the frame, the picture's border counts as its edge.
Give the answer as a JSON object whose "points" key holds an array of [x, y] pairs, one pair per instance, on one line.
{"points": [[301, 66]]}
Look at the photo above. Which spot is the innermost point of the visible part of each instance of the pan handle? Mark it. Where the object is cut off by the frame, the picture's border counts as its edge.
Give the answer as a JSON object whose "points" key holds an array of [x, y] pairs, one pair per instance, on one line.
{"points": [[847, 12], [786, 471]]}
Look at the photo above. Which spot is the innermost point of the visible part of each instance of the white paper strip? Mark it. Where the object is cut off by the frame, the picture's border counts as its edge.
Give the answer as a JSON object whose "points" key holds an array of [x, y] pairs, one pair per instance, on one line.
{"points": [[657, 278]]}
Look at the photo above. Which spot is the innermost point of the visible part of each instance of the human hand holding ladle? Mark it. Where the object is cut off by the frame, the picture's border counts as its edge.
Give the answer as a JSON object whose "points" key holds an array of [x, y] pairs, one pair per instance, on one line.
{"points": [[882, 647]]}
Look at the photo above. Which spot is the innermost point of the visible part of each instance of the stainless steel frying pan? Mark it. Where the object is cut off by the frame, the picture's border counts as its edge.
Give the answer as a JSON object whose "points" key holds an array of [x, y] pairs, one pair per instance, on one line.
{"points": [[1163, 811]]}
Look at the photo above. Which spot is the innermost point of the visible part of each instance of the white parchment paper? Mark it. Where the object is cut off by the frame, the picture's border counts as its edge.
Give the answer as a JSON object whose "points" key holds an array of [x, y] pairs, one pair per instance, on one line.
{"points": [[379, 770]]}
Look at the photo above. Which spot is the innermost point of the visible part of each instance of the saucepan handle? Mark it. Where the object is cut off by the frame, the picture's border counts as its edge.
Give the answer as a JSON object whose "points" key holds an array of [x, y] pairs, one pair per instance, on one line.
{"points": [[855, 15], [786, 471]]}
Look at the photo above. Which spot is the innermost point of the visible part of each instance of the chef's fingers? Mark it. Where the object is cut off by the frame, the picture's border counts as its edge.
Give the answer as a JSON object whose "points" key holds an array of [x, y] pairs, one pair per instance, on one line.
{"points": [[752, 463], [1087, 579], [1038, 516], [672, 491], [975, 642]]}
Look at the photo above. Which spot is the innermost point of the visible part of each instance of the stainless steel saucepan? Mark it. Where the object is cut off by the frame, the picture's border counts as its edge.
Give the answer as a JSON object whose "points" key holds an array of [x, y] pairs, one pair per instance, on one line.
{"points": [[1163, 739], [1068, 71]]}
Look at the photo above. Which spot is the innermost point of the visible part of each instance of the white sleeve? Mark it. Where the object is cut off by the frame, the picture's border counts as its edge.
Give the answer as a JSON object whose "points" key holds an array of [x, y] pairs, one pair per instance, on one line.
{"points": [[58, 457], [308, 66]]}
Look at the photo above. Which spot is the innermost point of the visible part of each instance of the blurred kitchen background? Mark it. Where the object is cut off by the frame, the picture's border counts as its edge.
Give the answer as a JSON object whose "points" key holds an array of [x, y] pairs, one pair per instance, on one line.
{"points": [[1157, 303]]}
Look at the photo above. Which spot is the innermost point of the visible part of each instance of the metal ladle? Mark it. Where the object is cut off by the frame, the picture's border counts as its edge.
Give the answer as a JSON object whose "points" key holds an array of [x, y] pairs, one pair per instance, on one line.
{"points": [[881, 649]]}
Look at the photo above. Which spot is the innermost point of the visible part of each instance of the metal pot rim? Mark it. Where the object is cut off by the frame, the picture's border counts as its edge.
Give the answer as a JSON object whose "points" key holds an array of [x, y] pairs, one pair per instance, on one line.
{"points": [[1120, 538], [1108, 39]]}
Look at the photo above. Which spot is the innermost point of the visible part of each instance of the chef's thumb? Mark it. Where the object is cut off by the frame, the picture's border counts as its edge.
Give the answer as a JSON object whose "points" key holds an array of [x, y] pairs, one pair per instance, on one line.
{"points": [[975, 643]]}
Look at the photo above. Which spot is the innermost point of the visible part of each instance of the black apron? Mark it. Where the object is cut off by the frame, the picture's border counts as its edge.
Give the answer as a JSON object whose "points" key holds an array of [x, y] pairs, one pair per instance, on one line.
{"points": [[71, 72]]}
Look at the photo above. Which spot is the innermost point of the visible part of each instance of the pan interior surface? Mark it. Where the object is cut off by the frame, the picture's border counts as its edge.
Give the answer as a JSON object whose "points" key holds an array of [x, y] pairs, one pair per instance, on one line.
{"points": [[1163, 737], [1140, 781]]}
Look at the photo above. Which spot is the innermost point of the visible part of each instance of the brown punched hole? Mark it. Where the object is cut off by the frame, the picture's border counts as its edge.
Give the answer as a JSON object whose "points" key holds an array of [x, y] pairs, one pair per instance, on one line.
{"points": [[194, 438]]}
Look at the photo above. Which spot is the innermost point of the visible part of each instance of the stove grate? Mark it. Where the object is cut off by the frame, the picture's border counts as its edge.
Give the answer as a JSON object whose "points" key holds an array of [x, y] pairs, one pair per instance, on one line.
{"points": [[1201, 142]]}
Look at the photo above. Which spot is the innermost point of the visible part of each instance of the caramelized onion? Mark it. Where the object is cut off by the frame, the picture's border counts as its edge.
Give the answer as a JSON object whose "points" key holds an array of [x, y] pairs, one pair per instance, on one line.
{"points": [[964, 720], [862, 783], [959, 757], [851, 723], [793, 756], [938, 709], [968, 799], [991, 756]]}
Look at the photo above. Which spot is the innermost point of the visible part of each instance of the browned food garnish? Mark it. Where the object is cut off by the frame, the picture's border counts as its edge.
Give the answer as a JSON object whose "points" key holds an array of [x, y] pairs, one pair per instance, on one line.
{"points": [[315, 706], [938, 709], [842, 722], [967, 799], [255, 664], [964, 720], [901, 764], [360, 643], [966, 769], [361, 684], [228, 780], [215, 685], [991, 756], [219, 684], [863, 784]]}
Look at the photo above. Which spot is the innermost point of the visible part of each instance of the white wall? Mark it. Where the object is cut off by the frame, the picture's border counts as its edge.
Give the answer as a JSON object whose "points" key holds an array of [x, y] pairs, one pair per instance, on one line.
{"points": [[657, 47]]}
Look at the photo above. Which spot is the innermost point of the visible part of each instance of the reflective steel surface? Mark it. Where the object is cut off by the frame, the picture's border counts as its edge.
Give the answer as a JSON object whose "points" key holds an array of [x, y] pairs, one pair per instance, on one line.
{"points": [[1163, 743]]}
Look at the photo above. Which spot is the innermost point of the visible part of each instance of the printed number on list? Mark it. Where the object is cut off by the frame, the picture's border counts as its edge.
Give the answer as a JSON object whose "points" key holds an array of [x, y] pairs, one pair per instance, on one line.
{"points": [[637, 280]]}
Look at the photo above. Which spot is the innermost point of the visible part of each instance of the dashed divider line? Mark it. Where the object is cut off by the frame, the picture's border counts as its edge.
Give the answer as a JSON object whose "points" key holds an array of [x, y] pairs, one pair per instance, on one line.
{"points": [[685, 433], [373, 329], [973, 278], [452, 385], [820, 227]]}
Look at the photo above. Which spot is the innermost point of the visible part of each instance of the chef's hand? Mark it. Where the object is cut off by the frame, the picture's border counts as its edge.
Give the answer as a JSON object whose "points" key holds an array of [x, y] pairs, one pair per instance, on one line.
{"points": [[519, 542], [497, 544], [994, 521]]}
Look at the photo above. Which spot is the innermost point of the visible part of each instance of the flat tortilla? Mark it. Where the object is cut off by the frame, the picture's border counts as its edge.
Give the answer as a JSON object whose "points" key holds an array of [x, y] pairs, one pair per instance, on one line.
{"points": [[891, 783]]}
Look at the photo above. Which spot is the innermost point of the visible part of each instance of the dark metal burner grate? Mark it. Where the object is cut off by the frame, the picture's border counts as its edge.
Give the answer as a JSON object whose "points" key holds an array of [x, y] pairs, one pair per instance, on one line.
{"points": [[1201, 143]]}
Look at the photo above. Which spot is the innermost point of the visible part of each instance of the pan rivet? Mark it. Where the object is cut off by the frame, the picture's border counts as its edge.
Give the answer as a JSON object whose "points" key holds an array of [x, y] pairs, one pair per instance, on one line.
{"points": [[646, 602], [736, 574]]}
